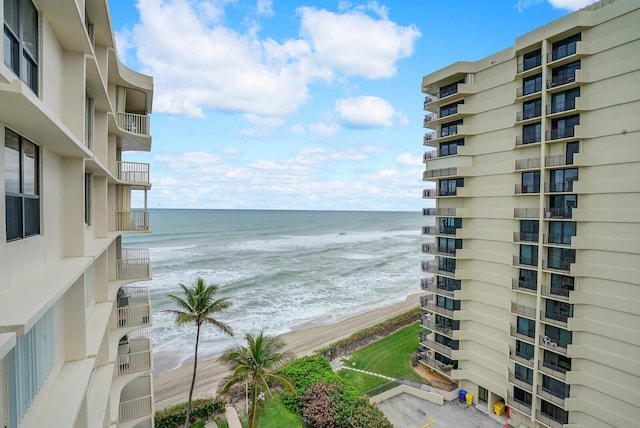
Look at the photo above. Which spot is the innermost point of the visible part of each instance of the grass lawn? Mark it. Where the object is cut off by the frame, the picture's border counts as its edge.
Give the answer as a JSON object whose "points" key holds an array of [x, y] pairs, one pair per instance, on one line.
{"points": [[275, 414], [362, 382], [389, 356]]}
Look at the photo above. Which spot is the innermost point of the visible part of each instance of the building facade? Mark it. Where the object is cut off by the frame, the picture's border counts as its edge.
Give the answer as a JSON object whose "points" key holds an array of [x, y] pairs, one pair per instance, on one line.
{"points": [[74, 346], [534, 297]]}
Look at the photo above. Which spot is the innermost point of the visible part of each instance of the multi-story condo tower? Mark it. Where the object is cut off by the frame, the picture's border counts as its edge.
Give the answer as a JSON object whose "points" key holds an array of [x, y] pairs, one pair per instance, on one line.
{"points": [[535, 295], [73, 347]]}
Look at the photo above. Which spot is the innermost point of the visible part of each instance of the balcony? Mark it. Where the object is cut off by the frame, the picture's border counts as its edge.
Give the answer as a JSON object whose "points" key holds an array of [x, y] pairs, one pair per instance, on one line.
{"points": [[558, 213], [548, 420], [573, 52], [429, 266], [433, 287], [555, 371], [442, 329], [430, 117], [524, 262], [559, 133], [133, 308], [432, 307], [525, 311], [433, 249], [553, 318], [429, 248], [530, 163], [134, 356], [432, 154], [525, 237], [136, 400], [526, 213], [550, 396], [429, 136], [521, 406], [558, 160], [441, 212], [438, 173], [524, 286], [520, 358], [429, 193], [134, 123], [520, 92], [429, 99], [560, 81], [524, 337], [520, 384], [522, 116], [134, 264], [527, 189], [429, 230], [436, 365], [438, 347], [134, 173], [550, 345], [136, 220], [520, 141], [556, 293], [564, 267], [426, 283], [560, 187], [551, 109]]}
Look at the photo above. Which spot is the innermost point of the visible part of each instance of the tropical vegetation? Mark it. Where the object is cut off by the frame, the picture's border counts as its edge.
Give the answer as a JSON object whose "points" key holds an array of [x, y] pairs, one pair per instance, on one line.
{"points": [[197, 305], [174, 416]]}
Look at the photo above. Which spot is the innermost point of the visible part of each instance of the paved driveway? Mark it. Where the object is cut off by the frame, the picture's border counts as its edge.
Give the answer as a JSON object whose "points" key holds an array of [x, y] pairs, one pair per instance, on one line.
{"points": [[407, 411]]}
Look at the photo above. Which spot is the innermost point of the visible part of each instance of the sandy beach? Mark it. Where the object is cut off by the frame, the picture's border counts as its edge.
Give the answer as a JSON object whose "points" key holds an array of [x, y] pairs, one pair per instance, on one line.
{"points": [[173, 386]]}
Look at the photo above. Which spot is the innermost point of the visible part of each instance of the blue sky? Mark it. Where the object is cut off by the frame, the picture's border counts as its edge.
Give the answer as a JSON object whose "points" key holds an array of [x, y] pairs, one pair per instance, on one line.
{"points": [[268, 104]]}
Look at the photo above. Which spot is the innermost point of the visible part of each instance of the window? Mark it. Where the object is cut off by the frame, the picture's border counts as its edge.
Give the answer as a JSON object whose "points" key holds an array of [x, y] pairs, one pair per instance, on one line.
{"points": [[531, 133], [559, 336], [531, 182], [447, 323], [444, 340], [447, 264], [450, 89], [448, 225], [445, 360], [531, 109], [87, 198], [532, 84], [556, 362], [563, 101], [564, 127], [532, 60], [560, 206], [561, 285], [483, 394], [449, 245], [29, 363], [89, 117], [571, 149], [450, 109], [449, 187], [554, 412], [22, 187], [528, 279], [21, 40], [559, 311], [561, 258], [560, 232], [522, 396], [529, 230], [524, 374], [561, 180], [450, 128], [524, 350], [565, 47], [450, 148], [447, 303], [564, 74], [529, 255], [526, 327]]}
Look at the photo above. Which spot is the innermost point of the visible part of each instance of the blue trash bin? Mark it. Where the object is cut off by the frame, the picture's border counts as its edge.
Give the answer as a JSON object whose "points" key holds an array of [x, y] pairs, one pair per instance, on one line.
{"points": [[463, 395]]}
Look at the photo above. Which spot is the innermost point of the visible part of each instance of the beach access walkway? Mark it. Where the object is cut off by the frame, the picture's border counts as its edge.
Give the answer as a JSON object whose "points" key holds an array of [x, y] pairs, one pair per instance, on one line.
{"points": [[232, 419]]}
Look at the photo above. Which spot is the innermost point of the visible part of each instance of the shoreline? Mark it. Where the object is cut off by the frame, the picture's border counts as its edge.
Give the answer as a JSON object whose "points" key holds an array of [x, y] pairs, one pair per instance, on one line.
{"points": [[172, 387]]}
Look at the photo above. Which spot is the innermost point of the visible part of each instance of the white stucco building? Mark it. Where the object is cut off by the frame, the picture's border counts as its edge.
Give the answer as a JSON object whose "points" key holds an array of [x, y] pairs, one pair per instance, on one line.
{"points": [[74, 350], [535, 294]]}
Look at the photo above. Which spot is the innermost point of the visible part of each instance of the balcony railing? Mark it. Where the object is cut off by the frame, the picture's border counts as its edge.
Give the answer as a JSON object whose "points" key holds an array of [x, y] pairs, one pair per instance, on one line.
{"points": [[429, 230], [556, 293], [433, 326], [425, 283], [429, 99], [563, 267], [564, 213], [548, 420], [137, 360], [525, 237], [132, 316], [525, 311], [529, 163], [429, 193], [519, 405], [441, 212], [524, 261], [560, 107], [555, 371], [520, 358], [430, 306], [521, 141], [433, 154], [520, 92], [133, 409], [547, 343], [558, 160], [446, 291], [134, 264], [554, 318], [133, 172], [442, 172], [437, 365], [524, 189], [560, 187], [519, 382], [560, 80], [526, 286], [132, 221], [526, 213], [134, 123], [558, 133], [429, 248], [521, 115], [550, 396], [429, 136], [430, 118], [522, 336], [439, 347]]}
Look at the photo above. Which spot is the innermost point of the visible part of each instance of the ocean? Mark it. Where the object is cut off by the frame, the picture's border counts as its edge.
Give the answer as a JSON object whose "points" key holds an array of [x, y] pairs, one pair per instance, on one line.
{"points": [[281, 270]]}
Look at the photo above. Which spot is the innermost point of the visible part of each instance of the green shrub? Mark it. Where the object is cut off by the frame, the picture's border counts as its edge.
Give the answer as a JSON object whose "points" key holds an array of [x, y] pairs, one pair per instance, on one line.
{"points": [[174, 416]]}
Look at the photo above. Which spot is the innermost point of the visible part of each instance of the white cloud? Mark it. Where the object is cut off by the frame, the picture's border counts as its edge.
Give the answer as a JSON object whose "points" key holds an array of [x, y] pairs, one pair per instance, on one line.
{"points": [[353, 43], [570, 4], [322, 130], [405, 159], [523, 4], [265, 7], [365, 112]]}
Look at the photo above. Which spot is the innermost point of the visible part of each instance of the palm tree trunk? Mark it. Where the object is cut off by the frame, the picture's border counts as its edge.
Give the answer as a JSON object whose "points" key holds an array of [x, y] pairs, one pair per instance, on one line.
{"points": [[193, 379], [253, 408]]}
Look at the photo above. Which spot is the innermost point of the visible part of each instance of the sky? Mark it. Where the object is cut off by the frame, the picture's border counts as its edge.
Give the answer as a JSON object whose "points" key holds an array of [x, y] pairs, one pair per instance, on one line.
{"points": [[313, 105]]}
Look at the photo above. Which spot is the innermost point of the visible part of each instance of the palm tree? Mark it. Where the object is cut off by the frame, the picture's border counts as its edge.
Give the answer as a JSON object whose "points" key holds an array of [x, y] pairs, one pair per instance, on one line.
{"points": [[196, 306], [256, 364]]}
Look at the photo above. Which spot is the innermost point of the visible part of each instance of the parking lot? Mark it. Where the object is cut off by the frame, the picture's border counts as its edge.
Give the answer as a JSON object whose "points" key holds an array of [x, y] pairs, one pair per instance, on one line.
{"points": [[407, 411]]}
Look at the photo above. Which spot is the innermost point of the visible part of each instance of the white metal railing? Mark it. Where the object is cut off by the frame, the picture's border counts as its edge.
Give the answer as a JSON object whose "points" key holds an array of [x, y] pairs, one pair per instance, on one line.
{"points": [[442, 172], [136, 295], [133, 409], [133, 220], [134, 264], [134, 123], [523, 310], [134, 362], [528, 163], [133, 172], [132, 316], [526, 212], [429, 193]]}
